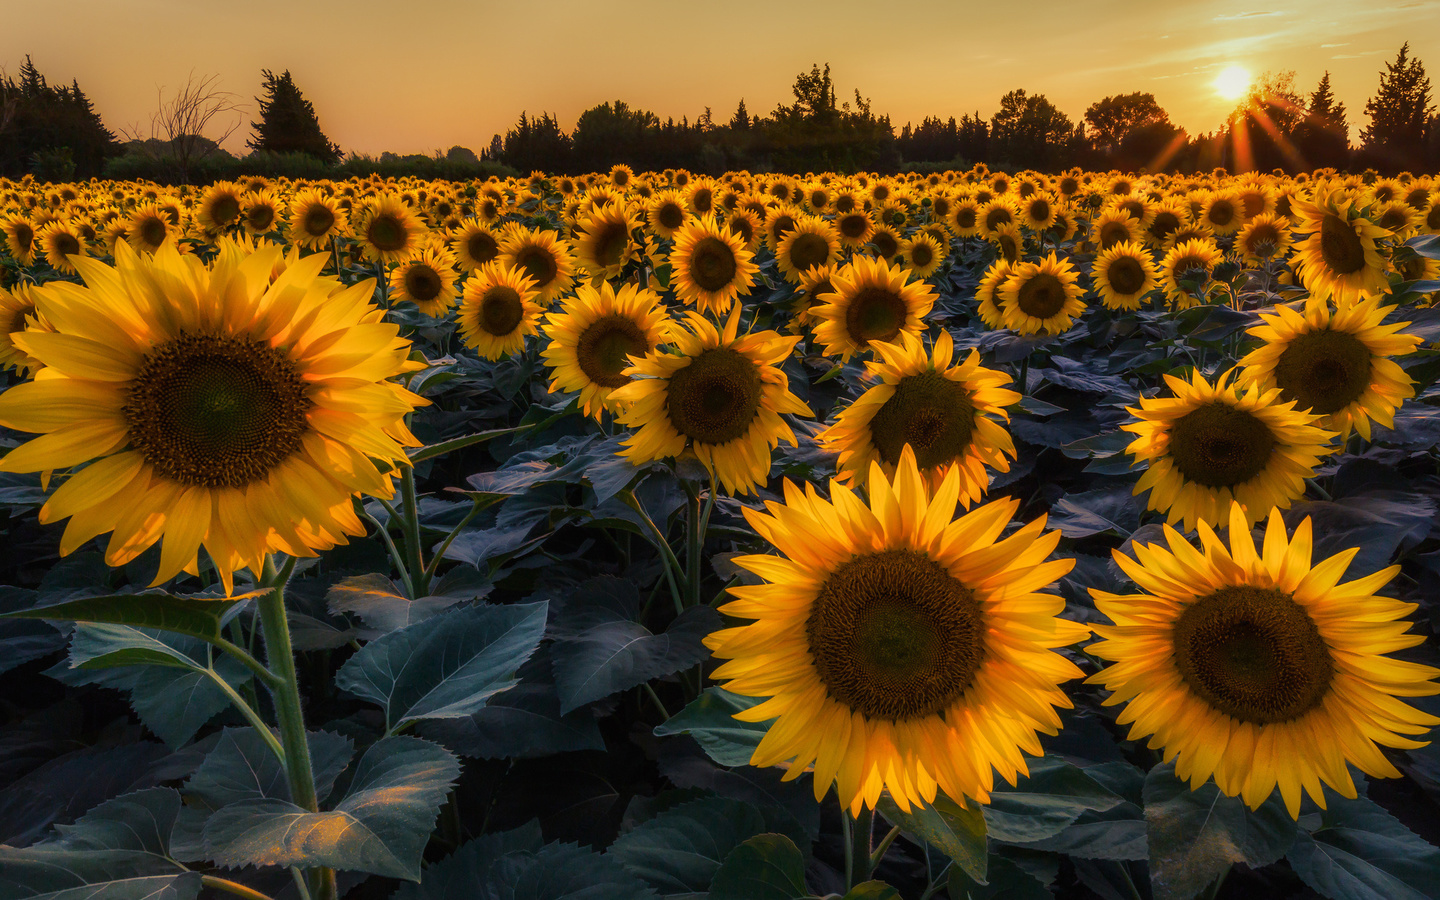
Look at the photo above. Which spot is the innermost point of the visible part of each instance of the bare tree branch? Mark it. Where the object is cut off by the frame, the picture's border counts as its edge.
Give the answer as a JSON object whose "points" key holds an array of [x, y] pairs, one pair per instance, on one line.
{"points": [[183, 119]]}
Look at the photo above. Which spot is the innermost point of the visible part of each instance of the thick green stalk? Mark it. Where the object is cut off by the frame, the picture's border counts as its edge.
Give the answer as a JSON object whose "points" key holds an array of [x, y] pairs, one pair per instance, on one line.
{"points": [[860, 864], [415, 555], [280, 657]]}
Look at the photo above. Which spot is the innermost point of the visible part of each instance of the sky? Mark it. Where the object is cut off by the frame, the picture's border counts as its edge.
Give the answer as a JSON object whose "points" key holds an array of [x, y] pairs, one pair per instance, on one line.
{"points": [[424, 75]]}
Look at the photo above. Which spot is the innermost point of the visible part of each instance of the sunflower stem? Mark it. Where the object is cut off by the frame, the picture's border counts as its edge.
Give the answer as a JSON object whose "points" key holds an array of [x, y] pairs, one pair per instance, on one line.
{"points": [[249, 713], [667, 553], [450, 538], [1315, 486], [281, 658], [884, 845], [858, 863], [395, 555], [415, 558], [231, 887]]}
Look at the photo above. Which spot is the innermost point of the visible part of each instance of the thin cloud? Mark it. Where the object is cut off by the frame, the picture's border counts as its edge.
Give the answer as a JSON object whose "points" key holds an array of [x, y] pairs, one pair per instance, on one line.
{"points": [[1235, 17], [1329, 46]]}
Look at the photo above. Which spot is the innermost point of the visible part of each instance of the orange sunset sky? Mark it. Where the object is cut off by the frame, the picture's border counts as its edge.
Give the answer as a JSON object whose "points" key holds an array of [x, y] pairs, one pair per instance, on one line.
{"points": [[428, 74]]}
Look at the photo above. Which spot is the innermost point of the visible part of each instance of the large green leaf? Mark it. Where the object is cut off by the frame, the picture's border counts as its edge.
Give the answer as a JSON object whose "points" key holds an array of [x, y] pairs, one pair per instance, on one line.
{"points": [[446, 666], [241, 767], [375, 599], [1196, 836], [765, 867], [956, 831], [167, 675], [516, 865], [601, 649], [199, 617], [381, 826], [1004, 881], [872, 890], [117, 851], [680, 850], [710, 720], [1046, 802], [1361, 852]]}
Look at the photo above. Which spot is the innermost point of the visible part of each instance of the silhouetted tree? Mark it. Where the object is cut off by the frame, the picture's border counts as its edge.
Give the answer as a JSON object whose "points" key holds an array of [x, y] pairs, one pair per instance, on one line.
{"points": [[52, 131], [741, 120], [1322, 137], [1030, 132], [288, 123], [535, 143], [1112, 118], [609, 134], [1399, 113]]}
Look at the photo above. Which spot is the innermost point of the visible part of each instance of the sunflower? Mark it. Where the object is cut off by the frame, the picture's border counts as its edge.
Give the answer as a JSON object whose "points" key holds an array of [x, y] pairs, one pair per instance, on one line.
{"points": [[315, 219], [996, 213], [542, 256], [1115, 226], [595, 335], [603, 240], [779, 222], [427, 280], [709, 266], [1334, 364], [811, 242], [1211, 444], [474, 245], [700, 197], [746, 226], [1399, 219], [855, 227], [1260, 667], [1010, 241], [964, 217], [987, 293], [922, 254], [19, 238], [944, 413], [1037, 213], [872, 301], [813, 282], [1189, 261], [387, 230], [149, 229], [900, 651], [719, 395], [219, 207], [1189, 231], [1168, 216], [1265, 237], [1042, 296], [18, 315], [1123, 275], [260, 212], [499, 308], [61, 240], [1339, 259], [666, 213], [213, 407], [886, 241]]}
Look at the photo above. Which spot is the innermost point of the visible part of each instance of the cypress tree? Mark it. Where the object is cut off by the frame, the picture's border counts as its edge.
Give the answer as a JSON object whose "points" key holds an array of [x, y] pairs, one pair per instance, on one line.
{"points": [[288, 123], [1399, 111]]}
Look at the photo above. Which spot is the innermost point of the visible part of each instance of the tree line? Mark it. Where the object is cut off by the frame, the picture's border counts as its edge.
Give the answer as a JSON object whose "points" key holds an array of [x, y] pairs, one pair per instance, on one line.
{"points": [[54, 133]]}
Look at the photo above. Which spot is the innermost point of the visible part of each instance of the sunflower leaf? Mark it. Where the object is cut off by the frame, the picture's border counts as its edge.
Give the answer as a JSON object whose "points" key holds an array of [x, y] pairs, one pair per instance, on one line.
{"points": [[200, 617], [710, 720], [1361, 852], [765, 867], [680, 850], [957, 831], [1196, 836]]}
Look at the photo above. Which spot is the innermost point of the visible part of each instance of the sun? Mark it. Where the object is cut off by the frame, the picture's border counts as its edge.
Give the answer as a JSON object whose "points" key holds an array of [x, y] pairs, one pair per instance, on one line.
{"points": [[1232, 82]]}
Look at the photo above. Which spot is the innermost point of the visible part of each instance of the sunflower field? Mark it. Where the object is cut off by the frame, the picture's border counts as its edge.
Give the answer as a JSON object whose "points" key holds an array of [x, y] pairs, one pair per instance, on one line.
{"points": [[654, 535]]}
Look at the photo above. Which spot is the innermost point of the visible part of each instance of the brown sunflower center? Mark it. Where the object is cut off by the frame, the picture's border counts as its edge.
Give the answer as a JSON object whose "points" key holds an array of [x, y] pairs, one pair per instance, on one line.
{"points": [[712, 264], [1112, 233], [259, 217], [423, 283], [998, 216], [538, 263], [1262, 240], [1324, 371], [1253, 654], [854, 225], [1042, 295], [932, 414], [921, 255], [702, 201], [225, 210], [387, 233], [24, 237], [715, 398], [1432, 218], [610, 241], [965, 217], [65, 244], [895, 636], [875, 314], [501, 310], [604, 349], [886, 246], [1395, 218], [212, 411], [670, 216], [318, 220], [1039, 211], [1220, 446], [1220, 213], [153, 231], [808, 250], [1126, 275], [1164, 224], [1340, 246], [482, 247]]}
